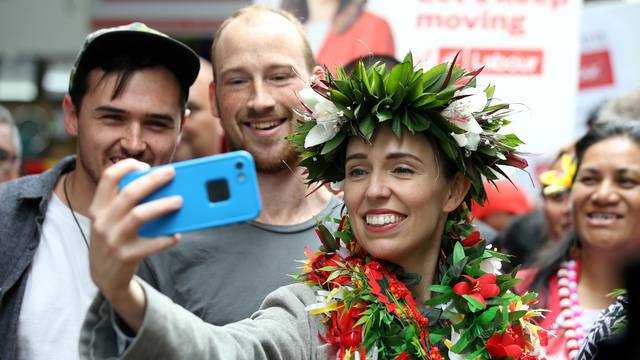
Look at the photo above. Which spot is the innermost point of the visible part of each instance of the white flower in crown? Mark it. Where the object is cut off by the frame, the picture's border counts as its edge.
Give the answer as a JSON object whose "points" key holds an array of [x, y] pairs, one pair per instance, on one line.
{"points": [[460, 113], [328, 118]]}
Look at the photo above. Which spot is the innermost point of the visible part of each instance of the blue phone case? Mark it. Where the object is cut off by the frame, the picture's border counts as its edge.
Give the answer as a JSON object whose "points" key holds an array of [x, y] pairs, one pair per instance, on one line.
{"points": [[216, 190]]}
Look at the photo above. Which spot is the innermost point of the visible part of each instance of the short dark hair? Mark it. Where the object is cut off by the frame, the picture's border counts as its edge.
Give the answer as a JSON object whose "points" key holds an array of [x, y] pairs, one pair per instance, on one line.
{"points": [[124, 65]]}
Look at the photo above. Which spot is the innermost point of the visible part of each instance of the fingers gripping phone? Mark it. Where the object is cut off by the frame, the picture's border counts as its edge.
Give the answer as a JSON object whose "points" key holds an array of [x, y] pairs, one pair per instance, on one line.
{"points": [[216, 190]]}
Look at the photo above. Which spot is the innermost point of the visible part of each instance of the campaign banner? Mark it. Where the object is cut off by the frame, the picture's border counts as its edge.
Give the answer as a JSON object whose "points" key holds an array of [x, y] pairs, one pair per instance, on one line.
{"points": [[529, 50], [609, 56]]}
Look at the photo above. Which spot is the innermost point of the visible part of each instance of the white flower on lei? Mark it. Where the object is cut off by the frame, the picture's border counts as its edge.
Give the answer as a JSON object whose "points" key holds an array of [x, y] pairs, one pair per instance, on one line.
{"points": [[454, 339], [491, 265], [460, 113], [328, 118], [327, 301]]}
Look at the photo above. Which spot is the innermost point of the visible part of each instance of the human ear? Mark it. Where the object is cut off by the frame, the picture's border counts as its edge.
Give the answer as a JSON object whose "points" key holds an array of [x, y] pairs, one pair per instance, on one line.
{"points": [[70, 114], [458, 189], [213, 106], [318, 72]]}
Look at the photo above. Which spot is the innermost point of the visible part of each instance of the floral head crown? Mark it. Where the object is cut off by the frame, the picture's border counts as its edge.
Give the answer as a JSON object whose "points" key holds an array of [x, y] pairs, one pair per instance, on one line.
{"points": [[444, 102]]}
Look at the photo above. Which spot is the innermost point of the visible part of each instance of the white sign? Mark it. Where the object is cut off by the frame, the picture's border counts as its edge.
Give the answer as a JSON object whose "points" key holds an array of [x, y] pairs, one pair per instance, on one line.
{"points": [[610, 56], [529, 50]]}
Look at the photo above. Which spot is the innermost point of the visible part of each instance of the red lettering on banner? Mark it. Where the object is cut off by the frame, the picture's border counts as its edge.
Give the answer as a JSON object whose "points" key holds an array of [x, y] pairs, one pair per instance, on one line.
{"points": [[498, 61], [486, 21], [595, 70]]}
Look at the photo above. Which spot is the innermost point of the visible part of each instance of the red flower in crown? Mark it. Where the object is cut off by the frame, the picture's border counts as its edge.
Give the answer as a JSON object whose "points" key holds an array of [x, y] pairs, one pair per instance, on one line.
{"points": [[517, 161], [403, 356], [480, 289]]}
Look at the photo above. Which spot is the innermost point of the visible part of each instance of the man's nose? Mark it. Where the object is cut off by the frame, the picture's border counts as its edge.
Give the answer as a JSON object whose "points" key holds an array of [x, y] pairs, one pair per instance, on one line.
{"points": [[261, 98], [133, 141]]}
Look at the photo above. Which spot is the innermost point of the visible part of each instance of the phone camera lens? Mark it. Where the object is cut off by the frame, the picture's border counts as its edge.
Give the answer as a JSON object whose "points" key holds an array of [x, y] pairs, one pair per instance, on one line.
{"points": [[239, 165]]}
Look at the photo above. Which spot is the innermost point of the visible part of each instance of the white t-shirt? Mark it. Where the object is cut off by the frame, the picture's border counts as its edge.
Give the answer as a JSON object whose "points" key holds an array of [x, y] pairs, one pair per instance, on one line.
{"points": [[59, 288]]}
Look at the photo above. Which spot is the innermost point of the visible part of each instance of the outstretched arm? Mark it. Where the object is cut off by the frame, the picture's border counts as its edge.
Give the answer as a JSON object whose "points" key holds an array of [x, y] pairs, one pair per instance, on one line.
{"points": [[116, 249]]}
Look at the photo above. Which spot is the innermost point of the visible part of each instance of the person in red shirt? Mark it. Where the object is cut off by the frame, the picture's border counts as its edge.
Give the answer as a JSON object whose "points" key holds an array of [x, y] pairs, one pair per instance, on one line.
{"points": [[342, 30]]}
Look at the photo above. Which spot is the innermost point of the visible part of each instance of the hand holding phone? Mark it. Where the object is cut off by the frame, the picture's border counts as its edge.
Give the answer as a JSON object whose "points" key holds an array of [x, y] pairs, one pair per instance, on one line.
{"points": [[216, 190]]}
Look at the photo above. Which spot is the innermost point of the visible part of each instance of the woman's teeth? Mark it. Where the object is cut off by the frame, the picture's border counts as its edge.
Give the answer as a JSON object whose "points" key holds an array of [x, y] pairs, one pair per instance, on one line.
{"points": [[603, 216], [383, 219]]}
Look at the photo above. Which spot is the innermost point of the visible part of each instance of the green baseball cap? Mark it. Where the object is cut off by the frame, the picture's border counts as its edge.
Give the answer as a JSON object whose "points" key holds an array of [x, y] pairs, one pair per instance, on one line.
{"points": [[137, 38]]}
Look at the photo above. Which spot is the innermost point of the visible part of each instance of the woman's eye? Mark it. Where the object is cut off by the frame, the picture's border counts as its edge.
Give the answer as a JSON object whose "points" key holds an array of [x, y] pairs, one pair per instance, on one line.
{"points": [[403, 170], [628, 182], [355, 172], [587, 180]]}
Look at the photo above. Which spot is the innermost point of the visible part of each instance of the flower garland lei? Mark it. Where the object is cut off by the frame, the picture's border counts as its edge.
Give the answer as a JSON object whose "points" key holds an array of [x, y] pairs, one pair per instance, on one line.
{"points": [[372, 313]]}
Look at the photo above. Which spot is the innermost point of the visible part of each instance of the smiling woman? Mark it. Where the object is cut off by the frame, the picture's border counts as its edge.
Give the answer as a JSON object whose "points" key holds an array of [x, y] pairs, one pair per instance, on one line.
{"points": [[606, 209], [404, 277]]}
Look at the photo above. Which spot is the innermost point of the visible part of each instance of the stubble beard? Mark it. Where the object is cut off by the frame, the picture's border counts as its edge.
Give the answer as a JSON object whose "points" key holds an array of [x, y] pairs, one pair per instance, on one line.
{"points": [[285, 157]]}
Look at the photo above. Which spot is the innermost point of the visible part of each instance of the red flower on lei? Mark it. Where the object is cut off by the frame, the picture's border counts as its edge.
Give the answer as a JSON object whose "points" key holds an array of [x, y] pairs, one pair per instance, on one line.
{"points": [[472, 239], [480, 289], [510, 345], [343, 331]]}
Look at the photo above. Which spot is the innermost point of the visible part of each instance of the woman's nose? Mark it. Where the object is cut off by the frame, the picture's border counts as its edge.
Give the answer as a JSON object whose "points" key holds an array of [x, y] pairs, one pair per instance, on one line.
{"points": [[378, 186], [605, 193]]}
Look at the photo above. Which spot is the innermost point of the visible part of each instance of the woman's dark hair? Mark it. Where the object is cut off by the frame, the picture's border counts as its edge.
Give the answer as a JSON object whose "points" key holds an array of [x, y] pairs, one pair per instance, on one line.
{"points": [[549, 260], [603, 131]]}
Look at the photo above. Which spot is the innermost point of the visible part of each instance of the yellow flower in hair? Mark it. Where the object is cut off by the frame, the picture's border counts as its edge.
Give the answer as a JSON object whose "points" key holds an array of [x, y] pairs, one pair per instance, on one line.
{"points": [[555, 181]]}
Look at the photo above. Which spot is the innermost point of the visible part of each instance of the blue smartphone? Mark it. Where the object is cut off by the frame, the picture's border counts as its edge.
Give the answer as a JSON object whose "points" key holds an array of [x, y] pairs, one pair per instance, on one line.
{"points": [[216, 190]]}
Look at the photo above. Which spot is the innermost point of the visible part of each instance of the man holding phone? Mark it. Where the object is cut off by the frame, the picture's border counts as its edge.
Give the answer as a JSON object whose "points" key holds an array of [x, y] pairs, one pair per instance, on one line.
{"points": [[261, 59], [127, 99]]}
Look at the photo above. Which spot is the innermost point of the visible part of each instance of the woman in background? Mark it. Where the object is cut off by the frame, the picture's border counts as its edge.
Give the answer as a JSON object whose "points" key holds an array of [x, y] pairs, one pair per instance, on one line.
{"points": [[342, 30], [575, 282]]}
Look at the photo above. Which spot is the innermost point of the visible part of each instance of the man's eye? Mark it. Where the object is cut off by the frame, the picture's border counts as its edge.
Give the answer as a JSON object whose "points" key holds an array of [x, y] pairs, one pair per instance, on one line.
{"points": [[112, 118], [159, 125], [236, 81], [280, 77]]}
